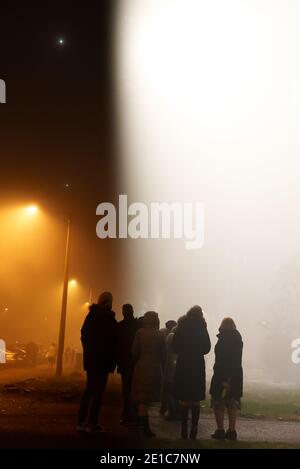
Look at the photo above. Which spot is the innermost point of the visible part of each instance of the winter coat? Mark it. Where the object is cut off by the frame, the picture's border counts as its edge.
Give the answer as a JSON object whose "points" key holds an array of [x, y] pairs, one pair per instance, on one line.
{"points": [[149, 351], [228, 365], [99, 339], [126, 331], [171, 359], [191, 342]]}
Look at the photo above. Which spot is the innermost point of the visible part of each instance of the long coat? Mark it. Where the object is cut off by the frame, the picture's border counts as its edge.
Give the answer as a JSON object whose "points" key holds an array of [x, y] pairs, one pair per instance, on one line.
{"points": [[99, 340], [228, 365], [126, 331], [149, 358], [170, 361], [191, 342]]}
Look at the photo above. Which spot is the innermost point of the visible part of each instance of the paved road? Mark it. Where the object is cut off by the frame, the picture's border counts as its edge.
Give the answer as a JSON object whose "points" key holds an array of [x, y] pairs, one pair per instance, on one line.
{"points": [[248, 429]]}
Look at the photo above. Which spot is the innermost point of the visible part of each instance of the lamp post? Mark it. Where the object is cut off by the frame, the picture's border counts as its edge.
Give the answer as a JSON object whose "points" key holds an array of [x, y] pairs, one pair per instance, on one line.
{"points": [[32, 210], [63, 316]]}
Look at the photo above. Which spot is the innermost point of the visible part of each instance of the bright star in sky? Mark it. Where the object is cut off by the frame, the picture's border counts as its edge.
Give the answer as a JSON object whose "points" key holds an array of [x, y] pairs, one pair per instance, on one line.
{"points": [[61, 42]]}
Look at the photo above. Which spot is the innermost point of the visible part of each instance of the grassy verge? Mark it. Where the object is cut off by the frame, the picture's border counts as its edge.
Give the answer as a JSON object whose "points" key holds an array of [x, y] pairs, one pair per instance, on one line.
{"points": [[267, 402]]}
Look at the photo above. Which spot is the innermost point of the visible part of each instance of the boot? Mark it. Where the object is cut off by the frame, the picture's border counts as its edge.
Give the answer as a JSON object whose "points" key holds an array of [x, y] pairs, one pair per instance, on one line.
{"points": [[219, 435], [144, 425], [184, 411], [195, 420], [231, 435]]}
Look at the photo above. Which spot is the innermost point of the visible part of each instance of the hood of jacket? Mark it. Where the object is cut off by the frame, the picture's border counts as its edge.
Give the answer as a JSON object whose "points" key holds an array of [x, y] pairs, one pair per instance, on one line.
{"points": [[229, 334], [101, 312]]}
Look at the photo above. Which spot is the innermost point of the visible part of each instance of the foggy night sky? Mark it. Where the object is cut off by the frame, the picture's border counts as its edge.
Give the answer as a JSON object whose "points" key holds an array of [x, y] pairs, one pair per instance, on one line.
{"points": [[56, 128], [56, 122]]}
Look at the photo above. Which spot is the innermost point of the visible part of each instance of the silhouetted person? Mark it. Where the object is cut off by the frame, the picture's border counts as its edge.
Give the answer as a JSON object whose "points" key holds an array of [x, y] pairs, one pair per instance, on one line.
{"points": [[164, 398], [51, 355], [149, 357], [140, 322], [191, 342], [126, 332], [68, 356], [99, 341], [226, 387], [32, 353], [173, 410], [169, 325]]}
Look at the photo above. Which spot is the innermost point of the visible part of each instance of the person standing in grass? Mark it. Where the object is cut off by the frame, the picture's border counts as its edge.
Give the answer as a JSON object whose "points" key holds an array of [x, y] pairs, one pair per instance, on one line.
{"points": [[227, 382]]}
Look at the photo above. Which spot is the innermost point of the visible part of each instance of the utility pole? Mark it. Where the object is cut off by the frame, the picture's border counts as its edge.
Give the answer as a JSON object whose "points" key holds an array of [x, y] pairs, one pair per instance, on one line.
{"points": [[63, 316]]}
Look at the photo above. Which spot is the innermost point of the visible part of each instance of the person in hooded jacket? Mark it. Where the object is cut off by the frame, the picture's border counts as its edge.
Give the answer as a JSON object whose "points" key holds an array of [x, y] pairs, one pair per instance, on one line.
{"points": [[99, 341], [227, 382], [191, 342]]}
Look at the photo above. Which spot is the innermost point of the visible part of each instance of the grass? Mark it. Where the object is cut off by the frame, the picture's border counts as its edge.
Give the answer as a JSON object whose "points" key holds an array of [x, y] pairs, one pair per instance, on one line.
{"points": [[272, 403], [262, 401]]}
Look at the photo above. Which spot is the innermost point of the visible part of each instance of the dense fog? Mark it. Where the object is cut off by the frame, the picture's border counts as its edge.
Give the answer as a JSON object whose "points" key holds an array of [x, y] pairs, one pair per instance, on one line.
{"points": [[208, 104]]}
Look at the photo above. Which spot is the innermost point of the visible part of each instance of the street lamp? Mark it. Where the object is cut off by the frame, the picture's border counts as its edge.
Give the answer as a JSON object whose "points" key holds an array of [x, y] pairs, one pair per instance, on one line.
{"points": [[63, 316], [32, 210]]}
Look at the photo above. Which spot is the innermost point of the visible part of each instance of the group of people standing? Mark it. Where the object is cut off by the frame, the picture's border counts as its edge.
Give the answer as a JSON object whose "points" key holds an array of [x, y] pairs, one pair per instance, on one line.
{"points": [[166, 366]]}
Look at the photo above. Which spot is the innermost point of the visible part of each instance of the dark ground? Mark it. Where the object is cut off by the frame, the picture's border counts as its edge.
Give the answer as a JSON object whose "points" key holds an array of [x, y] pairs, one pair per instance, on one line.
{"points": [[40, 412]]}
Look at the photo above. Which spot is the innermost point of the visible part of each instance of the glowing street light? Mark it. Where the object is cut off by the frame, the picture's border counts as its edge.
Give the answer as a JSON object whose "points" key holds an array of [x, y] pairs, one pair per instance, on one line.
{"points": [[73, 282], [31, 210]]}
